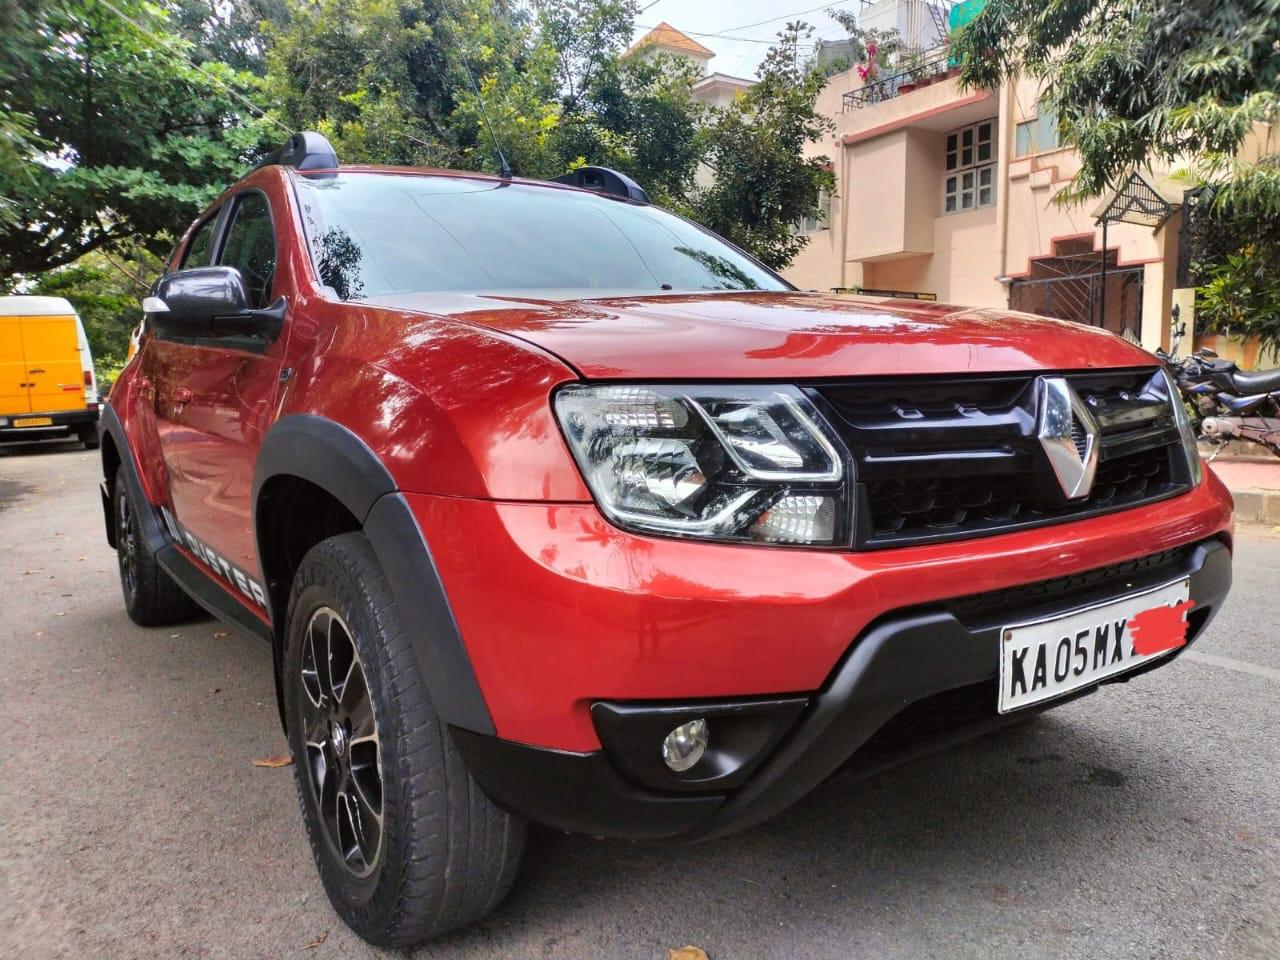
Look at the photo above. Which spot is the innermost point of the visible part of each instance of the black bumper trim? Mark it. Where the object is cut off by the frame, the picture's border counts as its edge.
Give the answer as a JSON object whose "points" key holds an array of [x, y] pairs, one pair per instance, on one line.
{"points": [[576, 792], [901, 661]]}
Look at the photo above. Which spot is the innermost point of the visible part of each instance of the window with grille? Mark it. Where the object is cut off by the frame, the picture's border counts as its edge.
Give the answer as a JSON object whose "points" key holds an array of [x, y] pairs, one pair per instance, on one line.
{"points": [[969, 181]]}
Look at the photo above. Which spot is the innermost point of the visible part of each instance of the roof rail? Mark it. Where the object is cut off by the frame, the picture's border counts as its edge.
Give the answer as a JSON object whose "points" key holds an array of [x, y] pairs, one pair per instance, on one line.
{"points": [[306, 150], [604, 180]]}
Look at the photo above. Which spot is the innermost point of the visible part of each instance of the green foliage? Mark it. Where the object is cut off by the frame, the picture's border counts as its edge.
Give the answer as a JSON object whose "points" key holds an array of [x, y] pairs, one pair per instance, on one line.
{"points": [[233, 32], [126, 139], [391, 81], [120, 120], [1242, 294], [763, 181], [1137, 81], [105, 289], [639, 117], [380, 78]]}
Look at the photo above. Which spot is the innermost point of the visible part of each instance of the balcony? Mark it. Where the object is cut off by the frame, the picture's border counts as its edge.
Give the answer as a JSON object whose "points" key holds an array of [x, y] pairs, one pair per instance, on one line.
{"points": [[933, 66]]}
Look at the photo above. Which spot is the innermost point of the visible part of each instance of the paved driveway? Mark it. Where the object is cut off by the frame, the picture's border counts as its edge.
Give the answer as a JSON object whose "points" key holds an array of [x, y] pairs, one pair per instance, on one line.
{"points": [[1141, 822]]}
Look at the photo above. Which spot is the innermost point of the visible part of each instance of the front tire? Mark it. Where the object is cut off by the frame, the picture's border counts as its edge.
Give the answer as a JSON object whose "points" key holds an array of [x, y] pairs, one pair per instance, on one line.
{"points": [[406, 844]]}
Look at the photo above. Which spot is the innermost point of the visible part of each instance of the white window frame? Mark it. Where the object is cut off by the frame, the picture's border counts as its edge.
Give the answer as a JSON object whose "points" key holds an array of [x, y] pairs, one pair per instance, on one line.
{"points": [[815, 223], [969, 167]]}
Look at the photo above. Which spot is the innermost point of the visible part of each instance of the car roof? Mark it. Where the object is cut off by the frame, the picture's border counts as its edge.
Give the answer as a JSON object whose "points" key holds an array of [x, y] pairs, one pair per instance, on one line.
{"points": [[444, 173]]}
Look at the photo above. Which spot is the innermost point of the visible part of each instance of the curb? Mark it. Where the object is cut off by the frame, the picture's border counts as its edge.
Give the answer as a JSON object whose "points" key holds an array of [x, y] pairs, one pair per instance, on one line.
{"points": [[1257, 506]]}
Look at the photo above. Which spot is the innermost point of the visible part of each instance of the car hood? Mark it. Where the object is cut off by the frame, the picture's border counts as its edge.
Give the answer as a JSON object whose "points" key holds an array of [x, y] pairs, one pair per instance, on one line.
{"points": [[786, 335]]}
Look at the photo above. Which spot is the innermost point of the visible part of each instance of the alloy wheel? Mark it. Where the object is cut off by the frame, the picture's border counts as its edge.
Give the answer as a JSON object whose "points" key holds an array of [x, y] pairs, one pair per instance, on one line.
{"points": [[344, 757], [127, 552]]}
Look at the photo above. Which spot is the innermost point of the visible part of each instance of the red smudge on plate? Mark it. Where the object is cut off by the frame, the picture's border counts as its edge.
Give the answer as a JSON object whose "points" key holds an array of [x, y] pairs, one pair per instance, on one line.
{"points": [[1160, 628]]}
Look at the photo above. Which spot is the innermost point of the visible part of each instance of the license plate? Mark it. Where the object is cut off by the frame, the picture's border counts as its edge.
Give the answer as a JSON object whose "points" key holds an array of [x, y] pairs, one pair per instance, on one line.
{"points": [[33, 422], [1049, 658]]}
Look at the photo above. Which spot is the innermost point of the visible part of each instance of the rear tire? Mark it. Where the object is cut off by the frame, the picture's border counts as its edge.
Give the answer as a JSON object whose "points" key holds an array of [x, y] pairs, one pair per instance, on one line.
{"points": [[151, 597], [89, 437], [406, 844]]}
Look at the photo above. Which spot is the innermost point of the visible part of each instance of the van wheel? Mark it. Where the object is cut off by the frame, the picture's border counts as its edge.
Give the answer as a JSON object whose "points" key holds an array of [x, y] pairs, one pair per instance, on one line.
{"points": [[406, 844], [151, 597], [89, 437]]}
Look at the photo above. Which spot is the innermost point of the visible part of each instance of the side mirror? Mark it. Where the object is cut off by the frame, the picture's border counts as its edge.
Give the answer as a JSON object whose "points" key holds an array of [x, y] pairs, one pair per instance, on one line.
{"points": [[208, 302]]}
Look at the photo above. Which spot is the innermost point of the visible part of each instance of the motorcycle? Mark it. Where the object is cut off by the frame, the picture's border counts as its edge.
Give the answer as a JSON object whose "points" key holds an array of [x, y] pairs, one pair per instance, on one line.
{"points": [[1225, 402]]}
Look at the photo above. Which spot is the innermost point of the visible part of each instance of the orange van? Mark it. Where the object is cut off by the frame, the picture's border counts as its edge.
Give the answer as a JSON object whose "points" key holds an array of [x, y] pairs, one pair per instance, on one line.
{"points": [[47, 382]]}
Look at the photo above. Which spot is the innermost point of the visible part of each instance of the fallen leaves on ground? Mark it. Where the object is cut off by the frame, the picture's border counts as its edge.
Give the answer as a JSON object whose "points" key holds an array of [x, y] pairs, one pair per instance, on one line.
{"points": [[279, 760], [317, 941], [687, 953]]}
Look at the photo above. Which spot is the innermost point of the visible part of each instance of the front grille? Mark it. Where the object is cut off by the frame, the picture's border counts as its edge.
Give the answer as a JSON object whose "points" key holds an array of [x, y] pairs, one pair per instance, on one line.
{"points": [[1076, 587], [943, 459]]}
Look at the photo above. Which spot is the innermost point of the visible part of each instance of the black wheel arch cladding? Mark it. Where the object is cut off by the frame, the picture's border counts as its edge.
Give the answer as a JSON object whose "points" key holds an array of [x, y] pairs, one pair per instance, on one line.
{"points": [[330, 456]]}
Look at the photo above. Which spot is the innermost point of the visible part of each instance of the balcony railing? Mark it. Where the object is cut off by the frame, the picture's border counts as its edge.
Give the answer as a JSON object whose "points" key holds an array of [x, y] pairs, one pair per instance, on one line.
{"points": [[933, 66]]}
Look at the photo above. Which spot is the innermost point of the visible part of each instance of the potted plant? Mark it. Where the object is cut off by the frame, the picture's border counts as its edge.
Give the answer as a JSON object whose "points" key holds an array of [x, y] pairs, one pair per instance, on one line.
{"points": [[913, 71]]}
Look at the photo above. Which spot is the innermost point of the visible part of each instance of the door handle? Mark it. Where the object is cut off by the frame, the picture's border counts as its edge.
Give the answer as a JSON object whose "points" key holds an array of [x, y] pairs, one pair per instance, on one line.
{"points": [[182, 395], [35, 371]]}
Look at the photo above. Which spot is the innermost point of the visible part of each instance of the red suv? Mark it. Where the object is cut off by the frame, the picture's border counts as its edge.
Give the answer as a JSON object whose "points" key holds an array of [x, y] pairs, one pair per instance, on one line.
{"points": [[554, 506]]}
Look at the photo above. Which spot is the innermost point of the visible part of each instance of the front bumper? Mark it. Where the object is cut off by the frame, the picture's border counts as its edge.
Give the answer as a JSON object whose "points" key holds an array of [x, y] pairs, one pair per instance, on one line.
{"points": [[933, 658], [561, 612]]}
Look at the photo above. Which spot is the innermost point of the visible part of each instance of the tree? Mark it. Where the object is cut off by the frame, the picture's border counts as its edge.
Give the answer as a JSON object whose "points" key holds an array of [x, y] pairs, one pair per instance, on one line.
{"points": [[390, 81], [436, 82], [764, 182], [229, 31], [126, 139], [105, 289]]}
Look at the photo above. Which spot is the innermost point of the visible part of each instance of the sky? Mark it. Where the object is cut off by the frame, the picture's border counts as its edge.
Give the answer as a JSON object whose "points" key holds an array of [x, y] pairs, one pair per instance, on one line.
{"points": [[741, 20]]}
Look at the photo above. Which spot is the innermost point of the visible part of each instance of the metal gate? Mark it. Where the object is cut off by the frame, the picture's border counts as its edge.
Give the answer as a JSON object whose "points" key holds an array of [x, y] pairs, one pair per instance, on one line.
{"points": [[1072, 286]]}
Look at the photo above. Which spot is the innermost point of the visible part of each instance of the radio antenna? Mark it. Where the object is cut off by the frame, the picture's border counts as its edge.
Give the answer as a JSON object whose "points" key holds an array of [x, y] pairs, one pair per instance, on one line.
{"points": [[504, 167]]}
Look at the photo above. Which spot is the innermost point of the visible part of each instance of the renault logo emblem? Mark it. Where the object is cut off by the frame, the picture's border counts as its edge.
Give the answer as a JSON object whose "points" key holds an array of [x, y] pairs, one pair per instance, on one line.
{"points": [[1069, 435]]}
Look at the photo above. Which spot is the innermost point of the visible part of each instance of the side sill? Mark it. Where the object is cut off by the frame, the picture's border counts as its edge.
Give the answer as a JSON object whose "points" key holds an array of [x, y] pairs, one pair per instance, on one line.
{"points": [[201, 588]]}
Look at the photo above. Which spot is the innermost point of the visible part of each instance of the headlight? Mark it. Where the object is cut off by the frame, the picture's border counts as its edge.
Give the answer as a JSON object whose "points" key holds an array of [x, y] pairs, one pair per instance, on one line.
{"points": [[1185, 428], [751, 463]]}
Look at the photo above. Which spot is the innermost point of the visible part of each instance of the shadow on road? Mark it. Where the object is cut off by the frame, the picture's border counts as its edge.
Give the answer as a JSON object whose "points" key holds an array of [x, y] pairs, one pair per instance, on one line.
{"points": [[12, 488], [975, 826], [39, 448]]}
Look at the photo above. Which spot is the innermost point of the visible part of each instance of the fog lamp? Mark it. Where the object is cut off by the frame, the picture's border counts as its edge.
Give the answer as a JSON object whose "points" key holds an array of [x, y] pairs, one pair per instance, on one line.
{"points": [[685, 745]]}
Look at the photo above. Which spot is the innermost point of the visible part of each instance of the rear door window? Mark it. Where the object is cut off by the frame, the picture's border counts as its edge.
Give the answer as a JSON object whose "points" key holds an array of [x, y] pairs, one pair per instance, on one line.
{"points": [[250, 245]]}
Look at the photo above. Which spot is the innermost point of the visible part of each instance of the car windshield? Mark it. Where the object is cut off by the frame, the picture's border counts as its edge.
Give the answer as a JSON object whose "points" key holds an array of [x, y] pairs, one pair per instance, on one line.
{"points": [[374, 234]]}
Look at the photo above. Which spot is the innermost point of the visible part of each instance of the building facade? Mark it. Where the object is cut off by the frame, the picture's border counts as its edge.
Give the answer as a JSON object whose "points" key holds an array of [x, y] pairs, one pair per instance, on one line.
{"points": [[949, 193], [714, 89]]}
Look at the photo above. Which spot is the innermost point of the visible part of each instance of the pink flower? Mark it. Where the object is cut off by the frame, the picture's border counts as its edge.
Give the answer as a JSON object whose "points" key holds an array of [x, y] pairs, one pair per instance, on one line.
{"points": [[871, 49]]}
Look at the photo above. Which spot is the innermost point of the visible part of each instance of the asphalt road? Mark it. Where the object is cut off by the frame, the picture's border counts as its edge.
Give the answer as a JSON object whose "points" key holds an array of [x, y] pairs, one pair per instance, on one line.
{"points": [[1141, 822]]}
